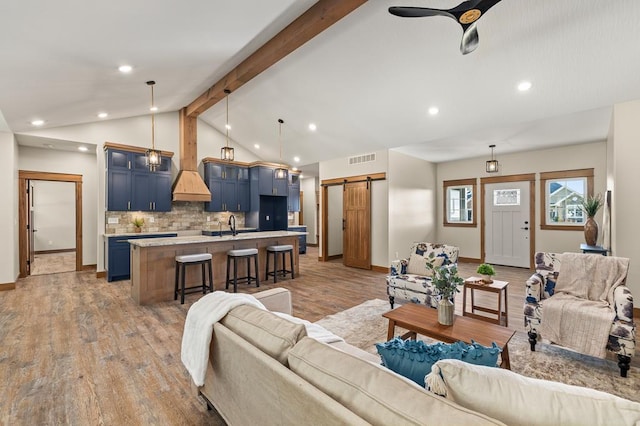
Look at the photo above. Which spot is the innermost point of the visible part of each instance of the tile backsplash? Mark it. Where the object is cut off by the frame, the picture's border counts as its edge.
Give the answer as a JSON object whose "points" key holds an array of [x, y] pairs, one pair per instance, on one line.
{"points": [[184, 216]]}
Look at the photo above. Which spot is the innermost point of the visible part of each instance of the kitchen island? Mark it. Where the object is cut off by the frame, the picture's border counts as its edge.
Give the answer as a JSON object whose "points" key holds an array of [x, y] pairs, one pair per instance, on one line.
{"points": [[153, 260]]}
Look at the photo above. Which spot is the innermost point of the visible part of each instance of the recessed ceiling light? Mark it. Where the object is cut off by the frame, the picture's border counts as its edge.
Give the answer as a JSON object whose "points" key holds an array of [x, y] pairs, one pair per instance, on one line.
{"points": [[296, 159], [301, 175], [523, 86], [37, 122], [125, 68], [103, 115], [48, 145], [256, 146], [434, 110], [153, 108], [295, 169], [227, 126], [312, 127], [83, 148]]}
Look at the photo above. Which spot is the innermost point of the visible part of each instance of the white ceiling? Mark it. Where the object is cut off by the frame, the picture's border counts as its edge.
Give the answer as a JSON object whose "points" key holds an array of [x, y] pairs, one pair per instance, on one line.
{"points": [[367, 82]]}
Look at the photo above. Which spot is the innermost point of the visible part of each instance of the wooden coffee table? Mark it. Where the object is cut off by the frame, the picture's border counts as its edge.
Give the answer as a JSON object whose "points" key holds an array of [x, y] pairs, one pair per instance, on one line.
{"points": [[423, 320]]}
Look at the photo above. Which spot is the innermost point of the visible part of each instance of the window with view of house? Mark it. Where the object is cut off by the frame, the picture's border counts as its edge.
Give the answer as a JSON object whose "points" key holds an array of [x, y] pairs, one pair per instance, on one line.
{"points": [[459, 201], [563, 193]]}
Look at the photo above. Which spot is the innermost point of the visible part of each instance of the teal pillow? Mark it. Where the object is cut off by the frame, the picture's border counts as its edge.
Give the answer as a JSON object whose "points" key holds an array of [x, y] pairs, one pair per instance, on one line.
{"points": [[413, 358]]}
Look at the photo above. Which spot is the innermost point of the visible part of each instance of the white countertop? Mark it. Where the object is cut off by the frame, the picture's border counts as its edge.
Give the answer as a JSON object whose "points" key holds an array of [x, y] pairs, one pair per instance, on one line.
{"points": [[195, 239]]}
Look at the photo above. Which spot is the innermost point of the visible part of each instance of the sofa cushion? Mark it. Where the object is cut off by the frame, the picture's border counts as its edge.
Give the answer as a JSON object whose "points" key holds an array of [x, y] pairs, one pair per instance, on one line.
{"points": [[424, 266], [268, 332], [374, 393], [413, 358], [520, 400]]}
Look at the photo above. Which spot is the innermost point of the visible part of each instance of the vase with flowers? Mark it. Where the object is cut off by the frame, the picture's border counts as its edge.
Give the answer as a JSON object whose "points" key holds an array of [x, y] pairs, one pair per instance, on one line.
{"points": [[446, 281], [591, 205]]}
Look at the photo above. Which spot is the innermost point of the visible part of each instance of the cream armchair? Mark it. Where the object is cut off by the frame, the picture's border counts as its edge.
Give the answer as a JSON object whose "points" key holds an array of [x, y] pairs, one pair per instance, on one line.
{"points": [[410, 278], [542, 285]]}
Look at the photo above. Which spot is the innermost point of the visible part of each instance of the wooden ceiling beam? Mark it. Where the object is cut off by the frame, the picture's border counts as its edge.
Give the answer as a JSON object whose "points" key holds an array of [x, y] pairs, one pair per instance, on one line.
{"points": [[311, 23]]}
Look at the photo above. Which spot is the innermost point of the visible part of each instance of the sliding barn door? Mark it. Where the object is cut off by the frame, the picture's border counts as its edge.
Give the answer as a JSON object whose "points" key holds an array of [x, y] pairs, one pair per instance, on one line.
{"points": [[357, 225]]}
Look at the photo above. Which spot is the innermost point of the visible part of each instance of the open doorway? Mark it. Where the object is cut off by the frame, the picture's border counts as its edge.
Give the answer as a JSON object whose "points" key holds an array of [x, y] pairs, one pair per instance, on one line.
{"points": [[41, 199]]}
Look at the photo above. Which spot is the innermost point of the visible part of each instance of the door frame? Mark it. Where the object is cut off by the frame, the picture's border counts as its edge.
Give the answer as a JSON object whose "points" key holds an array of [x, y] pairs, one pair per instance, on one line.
{"points": [[527, 177], [325, 184], [24, 176]]}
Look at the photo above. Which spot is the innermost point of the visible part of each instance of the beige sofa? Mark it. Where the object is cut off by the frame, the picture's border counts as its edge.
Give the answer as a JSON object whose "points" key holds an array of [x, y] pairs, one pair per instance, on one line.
{"points": [[263, 369]]}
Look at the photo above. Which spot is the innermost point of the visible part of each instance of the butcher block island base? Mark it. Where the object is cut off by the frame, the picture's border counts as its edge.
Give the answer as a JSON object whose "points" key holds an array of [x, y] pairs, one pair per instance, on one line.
{"points": [[153, 260]]}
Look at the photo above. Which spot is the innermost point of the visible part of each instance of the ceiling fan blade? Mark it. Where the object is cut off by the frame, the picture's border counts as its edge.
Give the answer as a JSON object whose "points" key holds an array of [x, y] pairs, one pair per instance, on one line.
{"points": [[469, 39], [417, 12]]}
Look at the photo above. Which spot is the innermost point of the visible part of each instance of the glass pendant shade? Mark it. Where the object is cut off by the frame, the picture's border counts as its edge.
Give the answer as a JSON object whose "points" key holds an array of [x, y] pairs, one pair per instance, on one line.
{"points": [[280, 173], [226, 153], [492, 165], [153, 159]]}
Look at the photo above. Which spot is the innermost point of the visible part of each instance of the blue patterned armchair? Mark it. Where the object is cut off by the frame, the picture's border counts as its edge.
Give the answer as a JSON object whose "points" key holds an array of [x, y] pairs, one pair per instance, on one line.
{"points": [[410, 278], [541, 286]]}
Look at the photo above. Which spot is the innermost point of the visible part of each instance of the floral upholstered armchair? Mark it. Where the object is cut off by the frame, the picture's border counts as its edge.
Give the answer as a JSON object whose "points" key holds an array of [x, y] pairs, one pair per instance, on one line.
{"points": [[541, 286], [410, 278]]}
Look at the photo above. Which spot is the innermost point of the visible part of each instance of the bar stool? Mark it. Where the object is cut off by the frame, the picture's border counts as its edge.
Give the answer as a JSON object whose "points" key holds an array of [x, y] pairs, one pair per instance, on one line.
{"points": [[275, 250], [192, 259], [242, 254]]}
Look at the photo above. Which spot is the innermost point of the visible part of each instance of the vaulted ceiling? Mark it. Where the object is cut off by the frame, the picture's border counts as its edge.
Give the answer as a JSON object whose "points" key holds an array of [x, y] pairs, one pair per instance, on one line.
{"points": [[367, 82]]}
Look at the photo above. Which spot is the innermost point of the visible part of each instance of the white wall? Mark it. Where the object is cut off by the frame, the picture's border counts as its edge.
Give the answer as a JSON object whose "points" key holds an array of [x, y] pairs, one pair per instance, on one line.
{"points": [[592, 155], [308, 188], [52, 161], [334, 220], [625, 202], [340, 168], [54, 215], [412, 203], [135, 131], [8, 209]]}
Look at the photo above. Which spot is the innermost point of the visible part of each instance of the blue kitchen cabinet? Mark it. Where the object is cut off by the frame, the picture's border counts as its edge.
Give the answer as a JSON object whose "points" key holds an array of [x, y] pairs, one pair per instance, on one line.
{"points": [[132, 186], [269, 185], [119, 255], [302, 239], [229, 187]]}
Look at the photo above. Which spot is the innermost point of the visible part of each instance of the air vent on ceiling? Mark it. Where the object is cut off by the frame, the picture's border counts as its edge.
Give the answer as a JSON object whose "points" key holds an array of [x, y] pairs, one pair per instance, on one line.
{"points": [[359, 159]]}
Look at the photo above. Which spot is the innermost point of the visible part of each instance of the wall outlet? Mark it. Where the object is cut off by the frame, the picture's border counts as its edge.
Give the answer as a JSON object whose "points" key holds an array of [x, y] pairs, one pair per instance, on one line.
{"points": [[151, 219], [208, 218], [112, 220]]}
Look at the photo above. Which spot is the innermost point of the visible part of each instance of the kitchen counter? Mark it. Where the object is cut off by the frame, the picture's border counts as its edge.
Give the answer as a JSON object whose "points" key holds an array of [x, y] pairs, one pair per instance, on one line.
{"points": [[153, 260]]}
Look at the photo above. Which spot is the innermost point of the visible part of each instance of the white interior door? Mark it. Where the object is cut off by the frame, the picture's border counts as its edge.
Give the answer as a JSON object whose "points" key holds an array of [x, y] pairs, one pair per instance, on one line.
{"points": [[507, 224]]}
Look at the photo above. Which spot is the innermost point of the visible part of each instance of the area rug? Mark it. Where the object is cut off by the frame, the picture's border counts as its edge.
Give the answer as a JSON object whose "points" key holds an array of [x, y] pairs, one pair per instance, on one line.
{"points": [[363, 326]]}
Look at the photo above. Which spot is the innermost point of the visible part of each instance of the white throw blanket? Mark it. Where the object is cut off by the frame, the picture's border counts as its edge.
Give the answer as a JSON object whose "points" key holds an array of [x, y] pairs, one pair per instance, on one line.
{"points": [[211, 308], [580, 313], [198, 328]]}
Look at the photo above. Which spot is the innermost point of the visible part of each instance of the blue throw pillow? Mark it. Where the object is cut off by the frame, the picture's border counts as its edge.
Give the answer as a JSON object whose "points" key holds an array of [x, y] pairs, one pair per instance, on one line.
{"points": [[413, 358]]}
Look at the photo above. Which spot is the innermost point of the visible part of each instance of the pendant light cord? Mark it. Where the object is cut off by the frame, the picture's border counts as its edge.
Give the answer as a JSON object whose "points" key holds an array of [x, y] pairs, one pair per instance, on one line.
{"points": [[280, 121], [153, 121], [227, 91]]}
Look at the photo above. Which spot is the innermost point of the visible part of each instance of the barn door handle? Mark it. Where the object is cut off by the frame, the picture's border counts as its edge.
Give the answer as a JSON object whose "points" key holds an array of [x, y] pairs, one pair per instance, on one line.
{"points": [[526, 228]]}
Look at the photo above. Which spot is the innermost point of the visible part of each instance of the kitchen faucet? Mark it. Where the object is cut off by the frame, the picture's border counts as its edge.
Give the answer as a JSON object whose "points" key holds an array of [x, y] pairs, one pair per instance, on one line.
{"points": [[232, 225]]}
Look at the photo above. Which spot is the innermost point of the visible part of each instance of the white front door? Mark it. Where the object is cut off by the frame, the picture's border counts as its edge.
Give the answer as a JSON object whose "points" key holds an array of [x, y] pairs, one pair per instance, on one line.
{"points": [[507, 224]]}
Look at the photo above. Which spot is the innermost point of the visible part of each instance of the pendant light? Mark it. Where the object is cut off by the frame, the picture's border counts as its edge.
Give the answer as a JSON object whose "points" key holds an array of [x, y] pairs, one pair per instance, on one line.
{"points": [[226, 153], [280, 172], [492, 165], [153, 157]]}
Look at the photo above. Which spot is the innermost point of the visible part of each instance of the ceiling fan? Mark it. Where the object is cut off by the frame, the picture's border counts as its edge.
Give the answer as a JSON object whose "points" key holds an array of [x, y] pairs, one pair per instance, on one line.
{"points": [[466, 14]]}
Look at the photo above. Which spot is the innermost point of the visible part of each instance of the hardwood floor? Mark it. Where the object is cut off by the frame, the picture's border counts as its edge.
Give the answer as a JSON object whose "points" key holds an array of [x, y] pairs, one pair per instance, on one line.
{"points": [[77, 349], [53, 263]]}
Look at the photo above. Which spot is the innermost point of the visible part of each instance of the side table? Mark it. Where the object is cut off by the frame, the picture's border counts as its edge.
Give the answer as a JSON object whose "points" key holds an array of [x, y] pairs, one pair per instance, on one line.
{"points": [[593, 249], [497, 287]]}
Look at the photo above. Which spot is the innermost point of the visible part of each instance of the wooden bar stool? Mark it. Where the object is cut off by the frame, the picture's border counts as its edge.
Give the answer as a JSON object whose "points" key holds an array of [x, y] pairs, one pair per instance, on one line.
{"points": [[275, 250], [192, 259], [242, 254]]}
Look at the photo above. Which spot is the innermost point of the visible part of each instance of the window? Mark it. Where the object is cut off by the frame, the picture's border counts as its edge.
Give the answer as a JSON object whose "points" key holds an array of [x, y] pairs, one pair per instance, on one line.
{"points": [[562, 195], [459, 202], [506, 197]]}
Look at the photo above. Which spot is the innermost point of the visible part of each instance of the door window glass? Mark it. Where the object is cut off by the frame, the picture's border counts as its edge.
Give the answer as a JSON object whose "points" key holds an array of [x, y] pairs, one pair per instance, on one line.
{"points": [[506, 197]]}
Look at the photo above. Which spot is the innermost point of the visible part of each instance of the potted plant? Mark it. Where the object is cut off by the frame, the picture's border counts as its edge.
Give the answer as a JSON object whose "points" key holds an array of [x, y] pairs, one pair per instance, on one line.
{"points": [[486, 271], [138, 222], [591, 205], [446, 281]]}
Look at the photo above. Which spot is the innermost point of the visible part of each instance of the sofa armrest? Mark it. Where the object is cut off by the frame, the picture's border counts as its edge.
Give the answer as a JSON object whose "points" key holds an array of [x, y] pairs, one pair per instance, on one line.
{"points": [[534, 287], [276, 299], [623, 303]]}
